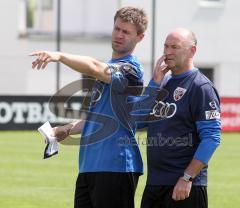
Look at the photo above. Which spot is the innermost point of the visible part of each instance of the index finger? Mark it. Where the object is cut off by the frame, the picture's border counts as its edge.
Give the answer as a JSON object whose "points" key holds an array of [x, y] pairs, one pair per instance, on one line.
{"points": [[35, 53], [161, 59]]}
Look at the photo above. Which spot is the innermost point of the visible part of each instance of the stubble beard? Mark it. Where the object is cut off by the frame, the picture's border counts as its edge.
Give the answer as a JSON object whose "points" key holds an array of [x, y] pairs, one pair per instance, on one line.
{"points": [[121, 51]]}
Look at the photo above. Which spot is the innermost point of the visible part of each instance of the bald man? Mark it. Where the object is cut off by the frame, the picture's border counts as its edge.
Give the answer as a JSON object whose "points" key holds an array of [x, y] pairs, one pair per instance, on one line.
{"points": [[181, 144]]}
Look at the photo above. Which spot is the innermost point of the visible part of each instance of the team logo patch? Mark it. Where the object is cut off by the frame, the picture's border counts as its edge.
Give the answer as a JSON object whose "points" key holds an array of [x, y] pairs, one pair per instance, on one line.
{"points": [[212, 114], [178, 93], [213, 104], [127, 67]]}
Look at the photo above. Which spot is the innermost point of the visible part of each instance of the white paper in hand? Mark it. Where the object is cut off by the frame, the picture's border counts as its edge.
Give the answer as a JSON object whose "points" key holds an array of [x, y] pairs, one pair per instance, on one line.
{"points": [[52, 144]]}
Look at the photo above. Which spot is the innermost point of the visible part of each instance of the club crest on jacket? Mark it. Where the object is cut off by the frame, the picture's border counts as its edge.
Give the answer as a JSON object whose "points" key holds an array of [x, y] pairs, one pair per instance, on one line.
{"points": [[178, 93]]}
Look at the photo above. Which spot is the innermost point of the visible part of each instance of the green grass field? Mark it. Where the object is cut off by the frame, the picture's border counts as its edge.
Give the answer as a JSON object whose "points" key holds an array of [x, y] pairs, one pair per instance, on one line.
{"points": [[28, 181]]}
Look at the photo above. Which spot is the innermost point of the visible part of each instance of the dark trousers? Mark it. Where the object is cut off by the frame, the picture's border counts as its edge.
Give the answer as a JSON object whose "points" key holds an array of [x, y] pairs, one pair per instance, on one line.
{"points": [[161, 197], [105, 190]]}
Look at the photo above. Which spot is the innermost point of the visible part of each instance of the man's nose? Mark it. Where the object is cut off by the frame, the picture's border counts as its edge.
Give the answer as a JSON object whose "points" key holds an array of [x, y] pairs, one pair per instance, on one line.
{"points": [[167, 51], [119, 34]]}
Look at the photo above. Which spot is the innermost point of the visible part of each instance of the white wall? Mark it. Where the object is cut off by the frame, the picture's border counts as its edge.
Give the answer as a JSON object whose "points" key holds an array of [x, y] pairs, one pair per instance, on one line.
{"points": [[96, 19], [217, 32], [16, 75]]}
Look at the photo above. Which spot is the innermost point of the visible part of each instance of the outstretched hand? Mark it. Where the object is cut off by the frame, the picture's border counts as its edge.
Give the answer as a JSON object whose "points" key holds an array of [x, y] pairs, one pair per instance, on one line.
{"points": [[160, 69], [43, 58]]}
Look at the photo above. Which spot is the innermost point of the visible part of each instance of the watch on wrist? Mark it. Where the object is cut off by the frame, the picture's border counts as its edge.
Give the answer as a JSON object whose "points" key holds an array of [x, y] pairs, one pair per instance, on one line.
{"points": [[187, 177]]}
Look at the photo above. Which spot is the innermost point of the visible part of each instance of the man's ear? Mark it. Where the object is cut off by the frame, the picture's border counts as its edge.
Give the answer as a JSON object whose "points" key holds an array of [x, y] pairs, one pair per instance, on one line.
{"points": [[193, 50], [140, 37]]}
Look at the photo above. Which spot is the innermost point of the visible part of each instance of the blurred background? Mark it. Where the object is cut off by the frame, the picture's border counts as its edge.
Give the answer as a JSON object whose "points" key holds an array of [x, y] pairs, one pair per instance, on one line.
{"points": [[29, 25], [84, 27]]}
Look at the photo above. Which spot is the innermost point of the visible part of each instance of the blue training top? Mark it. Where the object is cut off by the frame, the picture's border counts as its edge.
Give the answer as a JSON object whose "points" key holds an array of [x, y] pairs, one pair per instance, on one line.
{"points": [[190, 128], [101, 149]]}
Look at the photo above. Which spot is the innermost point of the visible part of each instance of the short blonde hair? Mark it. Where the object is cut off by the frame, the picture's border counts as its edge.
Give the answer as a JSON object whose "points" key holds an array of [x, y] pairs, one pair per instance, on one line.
{"points": [[133, 15]]}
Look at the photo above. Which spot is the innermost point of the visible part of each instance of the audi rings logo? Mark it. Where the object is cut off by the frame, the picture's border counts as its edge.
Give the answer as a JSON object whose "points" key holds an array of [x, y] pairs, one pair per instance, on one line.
{"points": [[164, 110]]}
